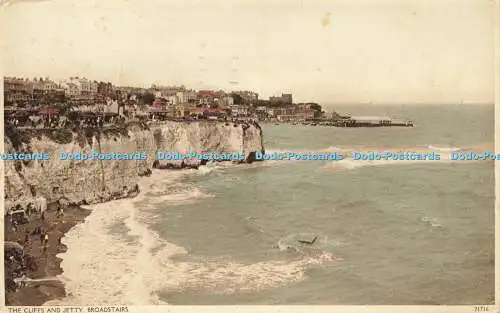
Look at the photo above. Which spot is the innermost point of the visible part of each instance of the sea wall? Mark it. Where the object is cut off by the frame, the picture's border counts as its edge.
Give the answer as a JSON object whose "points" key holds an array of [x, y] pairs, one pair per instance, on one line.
{"points": [[85, 181]]}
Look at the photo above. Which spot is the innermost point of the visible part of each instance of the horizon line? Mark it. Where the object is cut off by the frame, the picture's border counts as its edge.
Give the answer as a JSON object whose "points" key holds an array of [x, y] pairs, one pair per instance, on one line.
{"points": [[407, 103]]}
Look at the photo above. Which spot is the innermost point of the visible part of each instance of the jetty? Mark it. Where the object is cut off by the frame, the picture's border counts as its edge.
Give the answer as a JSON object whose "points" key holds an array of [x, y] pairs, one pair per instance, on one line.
{"points": [[370, 121]]}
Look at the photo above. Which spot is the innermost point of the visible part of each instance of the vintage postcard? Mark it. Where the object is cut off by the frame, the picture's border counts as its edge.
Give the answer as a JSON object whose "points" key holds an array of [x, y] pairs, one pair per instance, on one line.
{"points": [[189, 152]]}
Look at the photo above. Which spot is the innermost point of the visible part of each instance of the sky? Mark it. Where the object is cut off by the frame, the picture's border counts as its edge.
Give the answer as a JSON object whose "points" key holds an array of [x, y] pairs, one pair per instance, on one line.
{"points": [[356, 51]]}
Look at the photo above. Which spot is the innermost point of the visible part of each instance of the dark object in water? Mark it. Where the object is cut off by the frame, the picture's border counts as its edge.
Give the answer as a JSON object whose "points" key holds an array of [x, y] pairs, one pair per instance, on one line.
{"points": [[308, 242]]}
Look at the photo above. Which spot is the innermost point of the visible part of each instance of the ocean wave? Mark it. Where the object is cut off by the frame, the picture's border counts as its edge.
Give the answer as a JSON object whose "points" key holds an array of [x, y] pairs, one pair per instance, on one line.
{"points": [[338, 149], [444, 149], [432, 221], [348, 163], [186, 195], [360, 148], [110, 270], [204, 170]]}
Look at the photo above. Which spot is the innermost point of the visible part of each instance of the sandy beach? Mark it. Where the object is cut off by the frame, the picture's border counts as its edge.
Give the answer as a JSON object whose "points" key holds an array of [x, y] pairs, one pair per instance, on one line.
{"points": [[47, 264]]}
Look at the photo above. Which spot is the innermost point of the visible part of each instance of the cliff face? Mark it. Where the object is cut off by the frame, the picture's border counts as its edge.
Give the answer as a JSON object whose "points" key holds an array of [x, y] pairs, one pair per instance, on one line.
{"points": [[94, 181]]}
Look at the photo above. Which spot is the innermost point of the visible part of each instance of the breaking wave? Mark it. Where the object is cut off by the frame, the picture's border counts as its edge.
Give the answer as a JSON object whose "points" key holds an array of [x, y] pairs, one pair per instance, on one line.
{"points": [[431, 221], [348, 163], [114, 270], [444, 149]]}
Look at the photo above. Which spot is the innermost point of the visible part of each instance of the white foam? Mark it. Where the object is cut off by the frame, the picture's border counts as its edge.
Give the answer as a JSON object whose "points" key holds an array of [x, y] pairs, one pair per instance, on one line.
{"points": [[204, 170], [432, 221], [444, 149], [186, 196], [101, 268], [337, 149], [349, 163]]}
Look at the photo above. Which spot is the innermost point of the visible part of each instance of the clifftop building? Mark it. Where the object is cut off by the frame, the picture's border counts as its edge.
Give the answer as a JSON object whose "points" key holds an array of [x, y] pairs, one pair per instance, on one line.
{"points": [[285, 98], [248, 97], [80, 88], [17, 90]]}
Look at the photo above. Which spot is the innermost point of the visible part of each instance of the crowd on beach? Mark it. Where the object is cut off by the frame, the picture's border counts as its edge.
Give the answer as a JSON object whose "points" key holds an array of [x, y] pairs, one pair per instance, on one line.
{"points": [[33, 234], [27, 239], [17, 264]]}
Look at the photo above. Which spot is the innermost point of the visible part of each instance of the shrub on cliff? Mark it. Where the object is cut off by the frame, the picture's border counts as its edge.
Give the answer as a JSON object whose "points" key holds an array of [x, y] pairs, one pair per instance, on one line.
{"points": [[18, 166], [62, 136], [116, 131], [89, 134], [80, 139]]}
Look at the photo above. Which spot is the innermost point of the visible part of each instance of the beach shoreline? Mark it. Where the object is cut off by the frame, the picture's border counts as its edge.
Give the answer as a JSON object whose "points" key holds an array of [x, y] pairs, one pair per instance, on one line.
{"points": [[36, 293]]}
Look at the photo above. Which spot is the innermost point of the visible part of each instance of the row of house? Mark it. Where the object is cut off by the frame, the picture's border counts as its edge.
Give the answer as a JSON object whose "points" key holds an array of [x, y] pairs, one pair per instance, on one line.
{"points": [[210, 98], [83, 89], [292, 113], [18, 90]]}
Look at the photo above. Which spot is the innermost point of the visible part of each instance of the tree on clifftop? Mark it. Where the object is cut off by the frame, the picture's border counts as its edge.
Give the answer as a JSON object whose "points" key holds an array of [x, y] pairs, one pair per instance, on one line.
{"points": [[237, 99], [148, 98], [316, 107]]}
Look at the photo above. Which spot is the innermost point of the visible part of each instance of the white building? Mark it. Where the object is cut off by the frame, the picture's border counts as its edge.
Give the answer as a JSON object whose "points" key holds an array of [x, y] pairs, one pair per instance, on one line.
{"points": [[45, 85], [226, 101], [70, 89], [172, 99], [84, 86], [239, 110], [111, 106], [186, 96]]}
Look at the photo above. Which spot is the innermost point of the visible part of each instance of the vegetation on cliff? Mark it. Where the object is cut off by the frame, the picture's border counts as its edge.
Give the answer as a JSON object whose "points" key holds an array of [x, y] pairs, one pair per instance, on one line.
{"points": [[62, 136], [17, 137], [21, 137]]}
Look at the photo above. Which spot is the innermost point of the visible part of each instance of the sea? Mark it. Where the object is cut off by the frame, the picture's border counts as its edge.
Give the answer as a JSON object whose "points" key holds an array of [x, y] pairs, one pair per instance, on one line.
{"points": [[387, 232]]}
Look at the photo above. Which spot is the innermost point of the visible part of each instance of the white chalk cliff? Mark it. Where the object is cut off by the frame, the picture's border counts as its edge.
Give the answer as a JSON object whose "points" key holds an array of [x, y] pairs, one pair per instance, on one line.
{"points": [[85, 181]]}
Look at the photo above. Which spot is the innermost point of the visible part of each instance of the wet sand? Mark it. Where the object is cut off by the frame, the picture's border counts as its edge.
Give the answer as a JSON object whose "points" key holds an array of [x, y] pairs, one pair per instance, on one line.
{"points": [[37, 293]]}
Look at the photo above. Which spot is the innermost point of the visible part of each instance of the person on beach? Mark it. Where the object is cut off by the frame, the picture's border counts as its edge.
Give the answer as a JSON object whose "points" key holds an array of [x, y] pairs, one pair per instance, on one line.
{"points": [[26, 236], [42, 236], [23, 280], [60, 212], [43, 216], [46, 239]]}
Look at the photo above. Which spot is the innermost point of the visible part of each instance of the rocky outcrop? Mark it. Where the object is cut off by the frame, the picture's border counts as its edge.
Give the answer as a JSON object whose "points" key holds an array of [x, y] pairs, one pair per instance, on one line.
{"points": [[92, 181]]}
